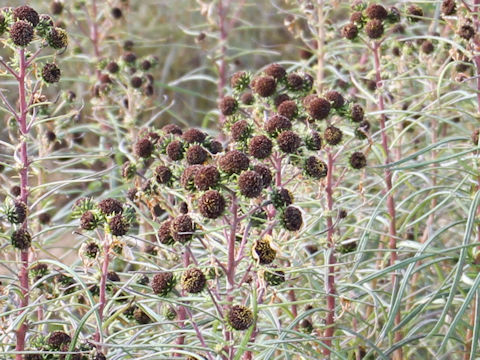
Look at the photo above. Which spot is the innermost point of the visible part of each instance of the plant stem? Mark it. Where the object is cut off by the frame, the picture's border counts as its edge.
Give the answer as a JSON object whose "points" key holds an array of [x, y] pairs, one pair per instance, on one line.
{"points": [[23, 275], [331, 260], [222, 69], [388, 181], [103, 288], [320, 45]]}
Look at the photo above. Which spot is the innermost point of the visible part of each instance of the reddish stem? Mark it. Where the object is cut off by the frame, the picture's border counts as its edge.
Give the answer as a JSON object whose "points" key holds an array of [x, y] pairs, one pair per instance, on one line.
{"points": [[23, 275], [388, 181]]}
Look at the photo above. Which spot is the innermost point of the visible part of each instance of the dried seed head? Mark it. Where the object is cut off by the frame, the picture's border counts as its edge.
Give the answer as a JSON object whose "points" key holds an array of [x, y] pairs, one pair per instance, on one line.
{"points": [[56, 7], [163, 283], [358, 160], [247, 98], [414, 13], [206, 178], [194, 136], [21, 33], [375, 11], [427, 47], [212, 204], [92, 250], [89, 221], [315, 167], [250, 183], [240, 80], [26, 13], [276, 71], [313, 141], [172, 129], [118, 225], [51, 73], [350, 31], [182, 228], [362, 130], [265, 174], [357, 113], [294, 82], [116, 13], [288, 109], [292, 218], [141, 316], [15, 190], [449, 7], [17, 213], [318, 108], [143, 148], [281, 198], [193, 280], [38, 271], [175, 150], [228, 105], [260, 147], [264, 252], [335, 98], [466, 31], [163, 174], [241, 130], [356, 18], [265, 86], [188, 176], [110, 206], [233, 162], [240, 317], [21, 239], [57, 339], [165, 234], [288, 141], [279, 99], [333, 135], [44, 218], [374, 29], [57, 38], [277, 124], [196, 154], [129, 57], [136, 82]]}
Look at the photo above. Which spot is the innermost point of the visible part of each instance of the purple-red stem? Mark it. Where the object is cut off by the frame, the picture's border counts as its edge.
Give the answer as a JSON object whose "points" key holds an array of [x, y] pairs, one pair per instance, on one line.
{"points": [[182, 313], [23, 276], [388, 181]]}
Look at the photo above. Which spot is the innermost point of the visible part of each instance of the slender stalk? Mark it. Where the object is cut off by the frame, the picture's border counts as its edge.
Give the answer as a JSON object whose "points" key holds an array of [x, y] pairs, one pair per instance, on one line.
{"points": [[103, 288], [23, 275], [222, 68], [182, 313], [320, 44], [388, 181]]}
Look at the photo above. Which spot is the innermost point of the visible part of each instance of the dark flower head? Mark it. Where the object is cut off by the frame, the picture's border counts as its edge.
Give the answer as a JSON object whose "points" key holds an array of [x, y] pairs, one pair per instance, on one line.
{"points": [[146, 65], [466, 31], [172, 129], [21, 33], [265, 174], [183, 207], [15, 190], [374, 29], [318, 108], [212, 204], [333, 135], [116, 13], [163, 283], [57, 38], [292, 218], [194, 136], [394, 15], [279, 99], [350, 31], [427, 47], [362, 130], [281, 198], [113, 276], [265, 86], [26, 13], [110, 206], [276, 71], [357, 18], [196, 154], [449, 7], [164, 233], [358, 160], [51, 73], [206, 178], [141, 316], [92, 250], [193, 280], [188, 176], [44, 218], [118, 225], [288, 141], [240, 317], [313, 141], [57, 339], [163, 174], [175, 150], [136, 82], [240, 81], [21, 239], [375, 11], [315, 167], [241, 130], [17, 213], [247, 98], [288, 109], [89, 221], [233, 162], [129, 57], [182, 228], [143, 148], [250, 183], [357, 113], [264, 252], [228, 105], [277, 124], [38, 271], [414, 13], [294, 82], [335, 98], [56, 7], [128, 45], [260, 147]]}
